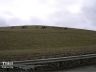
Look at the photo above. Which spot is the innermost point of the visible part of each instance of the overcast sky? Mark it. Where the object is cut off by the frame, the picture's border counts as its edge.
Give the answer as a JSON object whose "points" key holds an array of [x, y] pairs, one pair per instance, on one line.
{"points": [[69, 13]]}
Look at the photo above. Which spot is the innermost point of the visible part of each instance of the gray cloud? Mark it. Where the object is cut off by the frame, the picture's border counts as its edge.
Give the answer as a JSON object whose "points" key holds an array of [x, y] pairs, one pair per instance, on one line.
{"points": [[3, 22], [65, 18], [86, 19], [90, 11], [60, 16], [16, 21], [34, 20]]}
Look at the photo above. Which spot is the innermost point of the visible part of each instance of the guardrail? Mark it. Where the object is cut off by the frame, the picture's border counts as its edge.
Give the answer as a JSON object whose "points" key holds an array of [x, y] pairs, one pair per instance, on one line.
{"points": [[32, 63]]}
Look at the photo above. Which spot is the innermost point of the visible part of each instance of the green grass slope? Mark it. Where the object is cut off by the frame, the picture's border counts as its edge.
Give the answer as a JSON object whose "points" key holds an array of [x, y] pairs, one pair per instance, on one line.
{"points": [[43, 42]]}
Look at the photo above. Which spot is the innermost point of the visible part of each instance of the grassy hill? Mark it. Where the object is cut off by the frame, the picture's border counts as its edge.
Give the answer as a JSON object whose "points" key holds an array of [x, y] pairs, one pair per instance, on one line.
{"points": [[32, 42]]}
